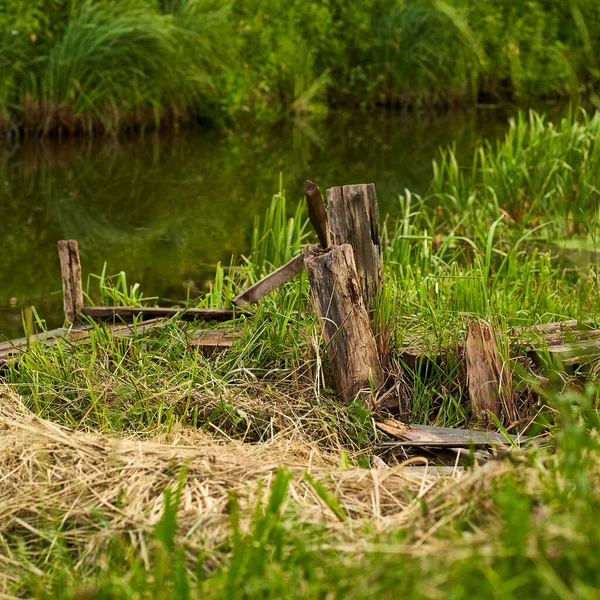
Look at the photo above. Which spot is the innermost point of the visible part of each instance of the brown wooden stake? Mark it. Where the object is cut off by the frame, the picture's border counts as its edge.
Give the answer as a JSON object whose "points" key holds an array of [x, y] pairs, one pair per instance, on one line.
{"points": [[489, 378], [317, 212], [338, 301], [272, 281], [70, 266], [354, 220]]}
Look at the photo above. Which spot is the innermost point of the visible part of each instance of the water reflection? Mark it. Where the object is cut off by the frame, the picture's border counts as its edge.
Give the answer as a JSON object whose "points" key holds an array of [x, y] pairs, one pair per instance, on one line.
{"points": [[166, 208]]}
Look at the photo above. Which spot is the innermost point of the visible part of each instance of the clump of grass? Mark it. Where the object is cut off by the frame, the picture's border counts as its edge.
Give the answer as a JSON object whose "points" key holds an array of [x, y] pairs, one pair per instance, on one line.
{"points": [[117, 66]]}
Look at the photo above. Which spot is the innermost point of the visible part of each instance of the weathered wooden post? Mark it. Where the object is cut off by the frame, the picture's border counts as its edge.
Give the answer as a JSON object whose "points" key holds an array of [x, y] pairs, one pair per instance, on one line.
{"points": [[354, 219], [489, 379], [70, 266], [317, 212], [345, 322]]}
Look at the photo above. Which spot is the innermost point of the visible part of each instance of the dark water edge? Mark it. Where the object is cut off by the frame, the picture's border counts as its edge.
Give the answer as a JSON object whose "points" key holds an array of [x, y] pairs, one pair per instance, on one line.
{"points": [[167, 208]]}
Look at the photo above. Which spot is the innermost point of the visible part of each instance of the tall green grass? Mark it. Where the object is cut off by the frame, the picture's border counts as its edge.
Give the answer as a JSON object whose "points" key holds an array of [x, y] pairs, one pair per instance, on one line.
{"points": [[492, 238], [115, 66], [81, 66]]}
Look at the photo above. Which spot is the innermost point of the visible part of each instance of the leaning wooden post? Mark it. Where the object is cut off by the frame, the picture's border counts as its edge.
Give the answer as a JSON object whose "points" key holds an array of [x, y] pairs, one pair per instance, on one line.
{"points": [[338, 301], [354, 219], [70, 266]]}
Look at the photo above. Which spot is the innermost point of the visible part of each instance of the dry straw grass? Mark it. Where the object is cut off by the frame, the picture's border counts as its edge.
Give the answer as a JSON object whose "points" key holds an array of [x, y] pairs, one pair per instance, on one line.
{"points": [[51, 475]]}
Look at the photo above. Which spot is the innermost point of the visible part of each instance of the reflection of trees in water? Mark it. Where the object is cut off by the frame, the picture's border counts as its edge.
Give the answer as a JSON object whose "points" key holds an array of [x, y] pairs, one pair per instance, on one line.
{"points": [[165, 208]]}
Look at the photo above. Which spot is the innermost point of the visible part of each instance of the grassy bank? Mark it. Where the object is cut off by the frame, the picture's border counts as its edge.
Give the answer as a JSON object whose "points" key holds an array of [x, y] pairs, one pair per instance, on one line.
{"points": [[82, 66], [141, 468]]}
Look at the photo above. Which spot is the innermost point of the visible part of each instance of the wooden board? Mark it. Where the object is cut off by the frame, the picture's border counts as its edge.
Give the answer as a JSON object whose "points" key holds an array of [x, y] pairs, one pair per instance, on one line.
{"points": [[70, 267], [129, 312], [207, 340], [441, 437], [317, 213]]}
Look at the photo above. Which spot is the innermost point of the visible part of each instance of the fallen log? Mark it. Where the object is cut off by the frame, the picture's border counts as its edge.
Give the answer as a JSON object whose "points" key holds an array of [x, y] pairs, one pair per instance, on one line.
{"points": [[345, 323]]}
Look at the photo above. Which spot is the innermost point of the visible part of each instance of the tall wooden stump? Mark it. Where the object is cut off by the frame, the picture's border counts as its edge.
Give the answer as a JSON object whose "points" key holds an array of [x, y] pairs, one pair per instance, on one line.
{"points": [[70, 267], [354, 219], [338, 301]]}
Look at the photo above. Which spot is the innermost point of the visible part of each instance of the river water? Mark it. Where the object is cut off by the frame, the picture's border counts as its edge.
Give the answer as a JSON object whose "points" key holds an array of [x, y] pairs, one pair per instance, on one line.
{"points": [[166, 208]]}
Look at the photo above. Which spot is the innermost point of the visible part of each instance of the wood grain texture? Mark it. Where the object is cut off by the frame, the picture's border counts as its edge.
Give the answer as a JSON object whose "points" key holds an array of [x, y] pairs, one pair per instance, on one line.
{"points": [[272, 281], [317, 213], [345, 323], [70, 268], [129, 312], [488, 377], [427, 435], [354, 220]]}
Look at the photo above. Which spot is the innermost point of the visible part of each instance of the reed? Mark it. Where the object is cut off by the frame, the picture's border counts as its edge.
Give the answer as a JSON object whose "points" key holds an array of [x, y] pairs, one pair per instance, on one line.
{"points": [[79, 66]]}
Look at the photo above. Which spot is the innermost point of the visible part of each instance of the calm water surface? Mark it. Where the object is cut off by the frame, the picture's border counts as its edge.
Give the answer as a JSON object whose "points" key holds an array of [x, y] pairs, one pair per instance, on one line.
{"points": [[166, 209]]}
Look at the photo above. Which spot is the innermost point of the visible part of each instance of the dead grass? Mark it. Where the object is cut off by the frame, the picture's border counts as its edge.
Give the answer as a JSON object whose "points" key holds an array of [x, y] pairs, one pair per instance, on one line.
{"points": [[49, 472]]}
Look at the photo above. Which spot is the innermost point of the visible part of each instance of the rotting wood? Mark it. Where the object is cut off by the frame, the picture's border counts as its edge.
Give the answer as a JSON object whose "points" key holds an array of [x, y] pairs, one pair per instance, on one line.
{"points": [[441, 437], [318, 218], [272, 281], [317, 213], [70, 267], [563, 343], [208, 341], [129, 312], [354, 219], [488, 377], [339, 304], [213, 341]]}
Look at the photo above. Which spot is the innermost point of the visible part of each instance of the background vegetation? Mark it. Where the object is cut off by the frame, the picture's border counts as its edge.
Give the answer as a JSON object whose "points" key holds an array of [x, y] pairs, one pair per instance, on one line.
{"points": [[109, 65]]}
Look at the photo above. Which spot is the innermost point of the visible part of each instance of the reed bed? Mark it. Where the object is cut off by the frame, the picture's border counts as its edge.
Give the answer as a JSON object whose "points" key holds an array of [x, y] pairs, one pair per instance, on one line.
{"points": [[93, 68]]}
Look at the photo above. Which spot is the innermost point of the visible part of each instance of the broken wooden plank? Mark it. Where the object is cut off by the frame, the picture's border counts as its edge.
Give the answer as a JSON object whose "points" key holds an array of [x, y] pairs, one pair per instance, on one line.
{"points": [[70, 268], [345, 323], [13, 348], [535, 341], [488, 377], [354, 219], [212, 342], [215, 338], [207, 340], [272, 281], [188, 314], [440, 437], [576, 353], [317, 213]]}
